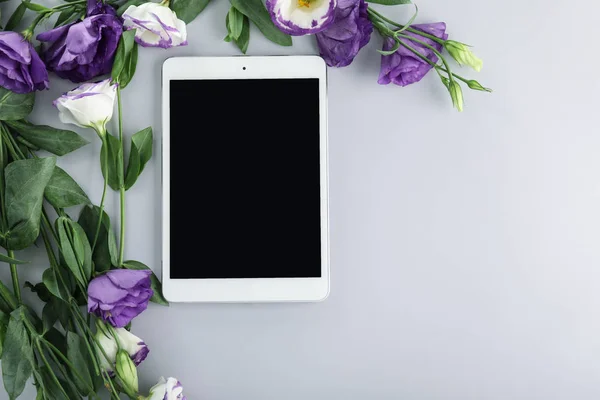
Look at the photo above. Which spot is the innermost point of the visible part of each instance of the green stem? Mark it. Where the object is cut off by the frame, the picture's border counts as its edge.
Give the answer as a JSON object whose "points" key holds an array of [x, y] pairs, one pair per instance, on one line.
{"points": [[50, 371], [113, 391], [122, 186], [413, 30], [105, 175], [15, 277], [430, 47], [46, 220], [56, 352], [85, 332]]}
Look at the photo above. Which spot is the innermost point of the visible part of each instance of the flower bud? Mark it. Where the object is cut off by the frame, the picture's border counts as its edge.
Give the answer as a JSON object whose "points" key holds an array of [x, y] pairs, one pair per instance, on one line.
{"points": [[463, 55], [473, 84], [456, 94], [126, 372]]}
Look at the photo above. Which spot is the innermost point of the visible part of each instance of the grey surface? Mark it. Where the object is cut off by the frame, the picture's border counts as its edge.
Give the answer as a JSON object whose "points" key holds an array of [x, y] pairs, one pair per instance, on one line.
{"points": [[464, 247]]}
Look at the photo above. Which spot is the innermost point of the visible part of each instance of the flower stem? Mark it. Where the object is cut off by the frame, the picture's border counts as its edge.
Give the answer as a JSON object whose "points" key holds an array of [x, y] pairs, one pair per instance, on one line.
{"points": [[15, 276], [121, 184], [47, 364], [430, 47], [105, 175], [413, 30]]}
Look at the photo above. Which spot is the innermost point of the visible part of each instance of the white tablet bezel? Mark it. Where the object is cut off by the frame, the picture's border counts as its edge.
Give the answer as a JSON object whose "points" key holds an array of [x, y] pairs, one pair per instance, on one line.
{"points": [[253, 289]]}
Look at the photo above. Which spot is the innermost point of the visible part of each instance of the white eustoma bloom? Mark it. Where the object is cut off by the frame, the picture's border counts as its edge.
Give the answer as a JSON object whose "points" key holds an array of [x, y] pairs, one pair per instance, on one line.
{"points": [[169, 389], [90, 105], [133, 345], [155, 25], [302, 17]]}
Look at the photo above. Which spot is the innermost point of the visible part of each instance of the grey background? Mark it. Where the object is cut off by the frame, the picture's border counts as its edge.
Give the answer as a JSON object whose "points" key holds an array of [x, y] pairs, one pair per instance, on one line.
{"points": [[464, 247]]}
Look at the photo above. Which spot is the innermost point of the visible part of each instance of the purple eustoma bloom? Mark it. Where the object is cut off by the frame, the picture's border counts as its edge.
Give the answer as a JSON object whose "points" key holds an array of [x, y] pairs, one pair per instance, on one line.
{"points": [[86, 49], [350, 32], [302, 17], [21, 69], [155, 26], [404, 67], [119, 295]]}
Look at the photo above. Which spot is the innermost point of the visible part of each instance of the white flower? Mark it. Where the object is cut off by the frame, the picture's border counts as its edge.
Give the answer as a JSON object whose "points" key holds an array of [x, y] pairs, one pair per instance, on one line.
{"points": [[90, 105], [155, 26], [133, 345], [302, 17], [169, 389]]}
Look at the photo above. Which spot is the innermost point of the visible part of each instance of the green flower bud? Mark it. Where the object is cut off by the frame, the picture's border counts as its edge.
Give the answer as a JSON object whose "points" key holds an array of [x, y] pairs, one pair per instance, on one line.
{"points": [[456, 94], [473, 84], [126, 372], [463, 55]]}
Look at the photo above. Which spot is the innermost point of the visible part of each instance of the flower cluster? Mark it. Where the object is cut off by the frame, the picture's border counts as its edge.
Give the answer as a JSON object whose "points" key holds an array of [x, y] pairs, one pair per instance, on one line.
{"points": [[83, 49], [97, 40], [343, 27]]}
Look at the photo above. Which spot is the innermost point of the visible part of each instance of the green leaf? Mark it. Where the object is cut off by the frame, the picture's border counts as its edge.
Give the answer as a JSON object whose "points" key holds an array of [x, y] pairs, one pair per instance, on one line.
{"points": [[7, 307], [62, 191], [110, 160], [4, 320], [76, 353], [188, 10], [130, 67], [105, 252], [83, 249], [69, 15], [35, 7], [127, 4], [75, 249], [56, 141], [50, 280], [7, 259], [139, 155], [244, 39], [125, 59], [390, 2], [235, 22], [256, 11], [25, 184], [15, 18], [41, 290], [157, 297], [49, 317], [53, 390], [15, 106], [59, 341], [17, 357]]}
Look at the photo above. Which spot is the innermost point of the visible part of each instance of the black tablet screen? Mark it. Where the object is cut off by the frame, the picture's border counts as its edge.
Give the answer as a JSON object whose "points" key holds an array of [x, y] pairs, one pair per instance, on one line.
{"points": [[245, 179]]}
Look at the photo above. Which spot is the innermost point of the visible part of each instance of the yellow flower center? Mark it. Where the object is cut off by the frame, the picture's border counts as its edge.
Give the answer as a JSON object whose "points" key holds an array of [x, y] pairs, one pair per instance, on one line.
{"points": [[304, 3]]}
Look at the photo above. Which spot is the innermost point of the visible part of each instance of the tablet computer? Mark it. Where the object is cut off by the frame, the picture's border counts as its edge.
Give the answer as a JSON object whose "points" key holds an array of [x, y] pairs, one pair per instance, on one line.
{"points": [[245, 205]]}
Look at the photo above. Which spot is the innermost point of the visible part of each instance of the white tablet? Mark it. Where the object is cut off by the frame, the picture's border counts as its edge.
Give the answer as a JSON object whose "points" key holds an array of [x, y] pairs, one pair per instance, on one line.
{"points": [[245, 206]]}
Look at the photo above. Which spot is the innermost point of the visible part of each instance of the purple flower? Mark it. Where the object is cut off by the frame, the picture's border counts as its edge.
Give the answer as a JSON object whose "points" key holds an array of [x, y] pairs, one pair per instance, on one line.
{"points": [[21, 69], [302, 17], [119, 295], [83, 50], [404, 67], [155, 26], [350, 32]]}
